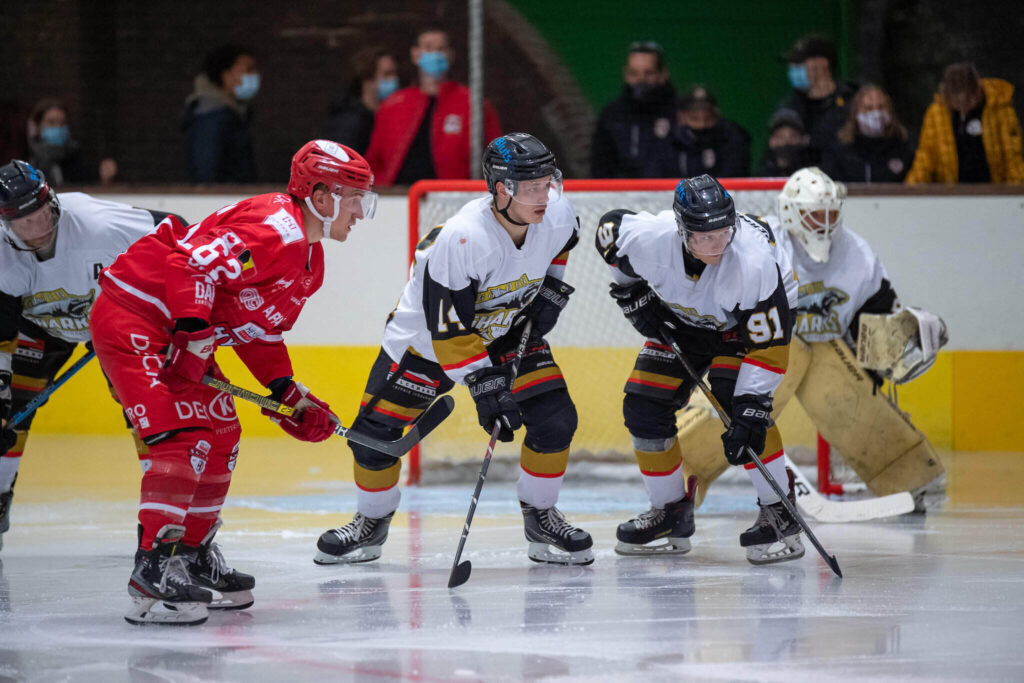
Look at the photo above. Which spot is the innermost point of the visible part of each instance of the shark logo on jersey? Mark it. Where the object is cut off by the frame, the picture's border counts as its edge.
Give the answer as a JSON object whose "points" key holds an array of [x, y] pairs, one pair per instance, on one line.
{"points": [[691, 316], [496, 306], [815, 314], [59, 312]]}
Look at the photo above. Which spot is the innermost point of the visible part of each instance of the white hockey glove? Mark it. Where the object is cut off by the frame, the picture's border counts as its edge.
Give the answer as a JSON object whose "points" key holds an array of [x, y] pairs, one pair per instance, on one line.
{"points": [[923, 348]]}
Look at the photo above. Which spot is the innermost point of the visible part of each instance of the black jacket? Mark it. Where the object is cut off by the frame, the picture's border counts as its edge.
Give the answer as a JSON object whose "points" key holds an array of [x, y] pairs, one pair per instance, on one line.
{"points": [[349, 122], [722, 151], [218, 146], [633, 139], [869, 160], [822, 117]]}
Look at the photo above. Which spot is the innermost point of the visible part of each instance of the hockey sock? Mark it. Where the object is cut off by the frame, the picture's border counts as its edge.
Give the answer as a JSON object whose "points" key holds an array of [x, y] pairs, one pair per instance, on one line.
{"points": [[208, 499], [540, 477], [378, 494], [169, 484], [9, 463], [776, 466], [663, 474]]}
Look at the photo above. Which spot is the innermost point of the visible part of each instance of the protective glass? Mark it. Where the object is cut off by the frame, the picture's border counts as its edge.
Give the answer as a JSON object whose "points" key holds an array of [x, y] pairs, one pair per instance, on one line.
{"points": [[711, 243], [536, 192], [360, 203]]}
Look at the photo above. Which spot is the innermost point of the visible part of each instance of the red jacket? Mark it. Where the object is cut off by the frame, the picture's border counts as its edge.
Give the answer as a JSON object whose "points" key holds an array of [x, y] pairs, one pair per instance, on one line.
{"points": [[247, 269], [399, 118]]}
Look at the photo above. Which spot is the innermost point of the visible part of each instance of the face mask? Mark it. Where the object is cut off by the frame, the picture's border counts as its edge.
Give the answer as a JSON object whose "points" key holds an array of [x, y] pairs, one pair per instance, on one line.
{"points": [[789, 156], [247, 89], [873, 123], [434, 64], [54, 135], [385, 87], [798, 76]]}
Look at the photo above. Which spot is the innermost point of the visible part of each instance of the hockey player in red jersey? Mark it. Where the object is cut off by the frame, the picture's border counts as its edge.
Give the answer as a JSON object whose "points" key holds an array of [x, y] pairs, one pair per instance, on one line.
{"points": [[238, 278]]}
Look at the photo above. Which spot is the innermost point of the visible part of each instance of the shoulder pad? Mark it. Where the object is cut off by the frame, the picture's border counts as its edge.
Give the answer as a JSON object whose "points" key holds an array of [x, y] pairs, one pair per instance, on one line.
{"points": [[608, 234]]}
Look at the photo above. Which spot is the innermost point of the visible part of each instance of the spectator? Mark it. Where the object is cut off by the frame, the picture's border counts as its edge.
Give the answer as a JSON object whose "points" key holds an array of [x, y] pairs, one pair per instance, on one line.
{"points": [[350, 116], [970, 133], [633, 138], [217, 118], [423, 131], [788, 146], [708, 143], [53, 151], [872, 145], [817, 98]]}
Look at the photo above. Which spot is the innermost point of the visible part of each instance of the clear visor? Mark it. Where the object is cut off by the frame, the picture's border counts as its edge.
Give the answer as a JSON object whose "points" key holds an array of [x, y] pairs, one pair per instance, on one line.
{"points": [[359, 203], [537, 192], [711, 243], [32, 232]]}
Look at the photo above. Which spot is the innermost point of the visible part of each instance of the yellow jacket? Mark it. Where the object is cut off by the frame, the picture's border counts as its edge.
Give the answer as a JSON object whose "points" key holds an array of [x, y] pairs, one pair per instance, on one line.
{"points": [[936, 161]]}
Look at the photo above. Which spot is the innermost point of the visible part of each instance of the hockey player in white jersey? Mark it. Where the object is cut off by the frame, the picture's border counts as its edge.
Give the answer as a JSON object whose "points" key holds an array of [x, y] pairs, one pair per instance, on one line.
{"points": [[495, 263], [51, 254], [718, 283]]}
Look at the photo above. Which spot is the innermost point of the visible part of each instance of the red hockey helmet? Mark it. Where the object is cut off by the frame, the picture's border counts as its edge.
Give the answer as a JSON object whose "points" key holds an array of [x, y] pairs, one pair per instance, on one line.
{"points": [[334, 165]]}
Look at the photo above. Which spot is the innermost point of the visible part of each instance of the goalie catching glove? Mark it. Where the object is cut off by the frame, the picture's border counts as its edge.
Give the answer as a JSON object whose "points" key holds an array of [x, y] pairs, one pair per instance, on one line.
{"points": [[189, 355], [751, 418], [312, 418], [491, 390], [643, 309]]}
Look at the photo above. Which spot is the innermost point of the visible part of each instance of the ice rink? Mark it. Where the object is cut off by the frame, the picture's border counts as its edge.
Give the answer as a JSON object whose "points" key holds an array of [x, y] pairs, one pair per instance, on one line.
{"points": [[938, 597]]}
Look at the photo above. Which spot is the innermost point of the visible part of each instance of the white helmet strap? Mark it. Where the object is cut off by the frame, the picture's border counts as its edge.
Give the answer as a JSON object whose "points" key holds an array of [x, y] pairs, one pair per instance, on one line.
{"points": [[323, 219]]}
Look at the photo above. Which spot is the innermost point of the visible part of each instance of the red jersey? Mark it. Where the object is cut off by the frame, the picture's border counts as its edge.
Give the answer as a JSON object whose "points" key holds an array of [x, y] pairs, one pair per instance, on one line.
{"points": [[248, 269]]}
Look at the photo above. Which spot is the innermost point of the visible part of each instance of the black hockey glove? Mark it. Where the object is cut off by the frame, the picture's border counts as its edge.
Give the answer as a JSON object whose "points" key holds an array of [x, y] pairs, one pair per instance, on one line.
{"points": [[491, 389], [643, 309], [6, 400], [751, 418], [549, 302]]}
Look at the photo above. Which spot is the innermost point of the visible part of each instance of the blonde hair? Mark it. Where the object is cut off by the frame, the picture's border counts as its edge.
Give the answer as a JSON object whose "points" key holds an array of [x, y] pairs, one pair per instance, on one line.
{"points": [[848, 131]]}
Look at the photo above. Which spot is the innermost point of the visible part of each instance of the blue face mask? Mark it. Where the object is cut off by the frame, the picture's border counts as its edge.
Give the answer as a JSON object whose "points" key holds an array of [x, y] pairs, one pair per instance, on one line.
{"points": [[247, 89], [386, 87], [798, 76], [434, 64], [54, 135]]}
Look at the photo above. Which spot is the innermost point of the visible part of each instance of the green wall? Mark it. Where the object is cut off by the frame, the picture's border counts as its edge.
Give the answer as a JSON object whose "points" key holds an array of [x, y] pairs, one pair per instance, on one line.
{"points": [[731, 47]]}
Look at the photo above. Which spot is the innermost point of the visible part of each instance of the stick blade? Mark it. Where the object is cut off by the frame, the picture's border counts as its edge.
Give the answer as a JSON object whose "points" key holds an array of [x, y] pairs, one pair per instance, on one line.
{"points": [[863, 510], [460, 574], [433, 416]]}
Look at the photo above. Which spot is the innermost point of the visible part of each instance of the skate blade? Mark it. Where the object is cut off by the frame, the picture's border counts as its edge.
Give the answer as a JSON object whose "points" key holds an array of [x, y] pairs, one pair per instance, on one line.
{"points": [[232, 600], [354, 557], [146, 611], [791, 548], [671, 546], [541, 552]]}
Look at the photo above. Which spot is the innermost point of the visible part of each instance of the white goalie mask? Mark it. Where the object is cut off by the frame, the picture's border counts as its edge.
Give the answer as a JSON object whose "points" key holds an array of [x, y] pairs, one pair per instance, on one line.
{"points": [[811, 210]]}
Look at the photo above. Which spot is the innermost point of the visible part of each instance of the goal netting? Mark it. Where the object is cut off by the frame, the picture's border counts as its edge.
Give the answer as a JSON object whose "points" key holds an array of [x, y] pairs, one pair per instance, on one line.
{"points": [[592, 343]]}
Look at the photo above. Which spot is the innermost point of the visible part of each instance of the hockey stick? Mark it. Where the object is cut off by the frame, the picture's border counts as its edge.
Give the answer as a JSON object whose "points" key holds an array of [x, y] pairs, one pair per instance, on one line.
{"points": [[824, 510], [460, 572], [423, 425], [829, 559], [43, 395]]}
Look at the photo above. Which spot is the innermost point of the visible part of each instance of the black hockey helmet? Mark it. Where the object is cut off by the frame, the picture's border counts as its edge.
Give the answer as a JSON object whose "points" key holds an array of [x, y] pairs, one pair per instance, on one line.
{"points": [[517, 156], [701, 204], [23, 190]]}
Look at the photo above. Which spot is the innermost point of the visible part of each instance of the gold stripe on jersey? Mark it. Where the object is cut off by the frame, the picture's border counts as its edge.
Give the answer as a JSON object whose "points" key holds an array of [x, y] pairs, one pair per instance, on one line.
{"points": [[392, 409], [30, 383], [456, 352], [655, 379], [731, 362], [772, 442], [9, 346], [377, 480], [660, 463], [774, 358], [536, 376], [547, 465]]}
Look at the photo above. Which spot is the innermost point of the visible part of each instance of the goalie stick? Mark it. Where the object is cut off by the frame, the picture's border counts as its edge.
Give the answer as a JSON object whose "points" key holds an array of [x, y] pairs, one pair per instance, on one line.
{"points": [[829, 559], [460, 572], [423, 425], [824, 510], [43, 395]]}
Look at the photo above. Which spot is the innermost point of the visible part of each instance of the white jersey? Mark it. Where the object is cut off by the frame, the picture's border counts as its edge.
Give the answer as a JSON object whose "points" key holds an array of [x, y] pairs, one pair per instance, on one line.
{"points": [[832, 293], [752, 288], [469, 280], [57, 294]]}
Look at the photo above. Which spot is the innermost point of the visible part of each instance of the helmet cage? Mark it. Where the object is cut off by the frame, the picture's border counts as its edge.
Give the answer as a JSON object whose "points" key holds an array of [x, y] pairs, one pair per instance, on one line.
{"points": [[811, 210]]}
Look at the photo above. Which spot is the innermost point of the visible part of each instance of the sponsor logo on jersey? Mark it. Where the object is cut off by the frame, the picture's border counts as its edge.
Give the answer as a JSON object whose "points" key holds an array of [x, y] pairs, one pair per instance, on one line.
{"points": [[188, 410], [198, 454], [250, 298], [816, 317], [496, 306], [59, 312], [282, 284], [693, 317], [222, 408], [233, 458], [286, 226]]}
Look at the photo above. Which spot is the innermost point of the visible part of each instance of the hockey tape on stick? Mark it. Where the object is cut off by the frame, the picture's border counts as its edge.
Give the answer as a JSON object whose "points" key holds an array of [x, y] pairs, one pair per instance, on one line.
{"points": [[822, 509], [43, 395], [755, 458], [423, 425]]}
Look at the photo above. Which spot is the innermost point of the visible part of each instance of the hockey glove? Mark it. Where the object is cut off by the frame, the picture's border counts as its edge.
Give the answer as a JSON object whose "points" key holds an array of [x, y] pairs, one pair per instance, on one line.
{"points": [[549, 302], [312, 418], [492, 391], [6, 400], [751, 418], [189, 356], [643, 309]]}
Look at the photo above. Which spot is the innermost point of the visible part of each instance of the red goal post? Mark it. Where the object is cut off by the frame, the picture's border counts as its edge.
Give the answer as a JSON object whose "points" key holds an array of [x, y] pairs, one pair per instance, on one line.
{"points": [[591, 335]]}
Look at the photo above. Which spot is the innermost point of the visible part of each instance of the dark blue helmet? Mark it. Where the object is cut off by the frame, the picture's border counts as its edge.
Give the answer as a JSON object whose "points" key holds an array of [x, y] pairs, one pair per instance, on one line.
{"points": [[23, 190], [517, 156], [701, 204]]}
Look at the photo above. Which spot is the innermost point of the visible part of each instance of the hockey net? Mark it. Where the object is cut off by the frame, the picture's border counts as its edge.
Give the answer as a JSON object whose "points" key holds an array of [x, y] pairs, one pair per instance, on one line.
{"points": [[592, 343]]}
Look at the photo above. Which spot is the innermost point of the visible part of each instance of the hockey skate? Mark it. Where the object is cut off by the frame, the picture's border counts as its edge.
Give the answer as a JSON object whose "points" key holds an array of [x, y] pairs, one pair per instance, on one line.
{"points": [[208, 569], [775, 535], [547, 528], [161, 589], [672, 525], [5, 511], [358, 541]]}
